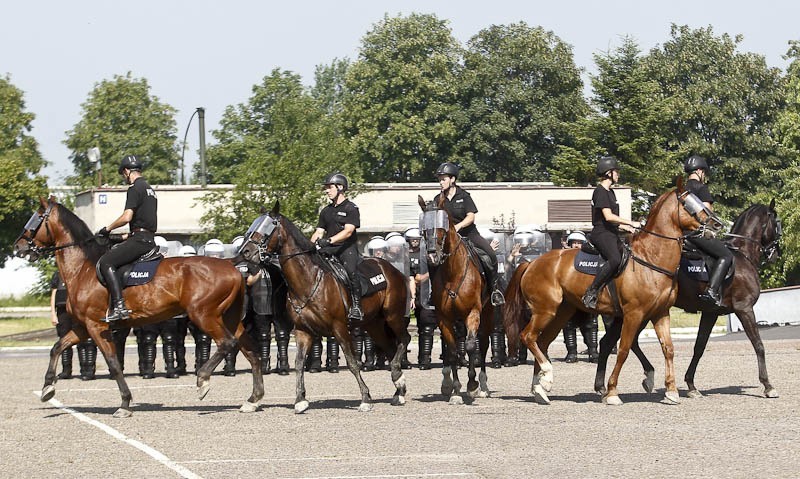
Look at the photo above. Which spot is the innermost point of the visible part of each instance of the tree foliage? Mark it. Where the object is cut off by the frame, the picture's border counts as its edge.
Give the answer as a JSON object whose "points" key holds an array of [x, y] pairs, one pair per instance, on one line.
{"points": [[276, 147], [519, 91], [400, 96], [20, 163], [121, 117]]}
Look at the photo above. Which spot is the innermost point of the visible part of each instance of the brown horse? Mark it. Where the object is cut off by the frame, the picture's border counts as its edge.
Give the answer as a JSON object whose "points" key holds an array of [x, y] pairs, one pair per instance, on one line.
{"points": [[209, 290], [755, 240], [318, 303], [459, 293], [552, 289]]}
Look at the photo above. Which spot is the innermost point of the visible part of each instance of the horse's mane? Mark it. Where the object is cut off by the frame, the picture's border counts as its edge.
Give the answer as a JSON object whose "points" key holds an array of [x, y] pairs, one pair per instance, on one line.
{"points": [[741, 220], [80, 233], [300, 239], [657, 205]]}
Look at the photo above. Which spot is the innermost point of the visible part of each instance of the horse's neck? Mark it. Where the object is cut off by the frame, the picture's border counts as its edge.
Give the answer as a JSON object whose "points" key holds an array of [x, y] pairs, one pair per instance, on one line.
{"points": [[71, 262], [751, 249], [299, 270], [456, 249], [664, 252]]}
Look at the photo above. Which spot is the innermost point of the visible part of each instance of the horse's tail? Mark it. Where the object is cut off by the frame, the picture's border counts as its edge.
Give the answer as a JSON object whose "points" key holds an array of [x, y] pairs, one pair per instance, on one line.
{"points": [[514, 310]]}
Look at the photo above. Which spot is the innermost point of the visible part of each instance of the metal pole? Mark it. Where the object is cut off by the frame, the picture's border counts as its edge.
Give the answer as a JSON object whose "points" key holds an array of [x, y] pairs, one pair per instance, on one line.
{"points": [[201, 116]]}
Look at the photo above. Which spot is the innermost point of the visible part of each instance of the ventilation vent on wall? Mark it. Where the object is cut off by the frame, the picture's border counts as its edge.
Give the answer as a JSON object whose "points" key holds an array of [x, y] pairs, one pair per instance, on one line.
{"points": [[404, 213], [567, 211]]}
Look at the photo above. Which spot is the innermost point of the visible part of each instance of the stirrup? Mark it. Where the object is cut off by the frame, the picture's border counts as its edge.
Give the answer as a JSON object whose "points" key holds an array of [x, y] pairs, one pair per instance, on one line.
{"points": [[710, 297], [589, 300], [497, 298], [355, 313], [118, 314]]}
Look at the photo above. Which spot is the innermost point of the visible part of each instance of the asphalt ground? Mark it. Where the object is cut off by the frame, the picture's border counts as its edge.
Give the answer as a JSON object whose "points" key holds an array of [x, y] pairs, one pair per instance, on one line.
{"points": [[732, 432]]}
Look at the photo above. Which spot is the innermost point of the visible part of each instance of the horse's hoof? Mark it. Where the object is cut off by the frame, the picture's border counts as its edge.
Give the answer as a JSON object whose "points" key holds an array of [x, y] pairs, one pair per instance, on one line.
{"points": [[48, 392], [771, 393], [672, 397], [601, 391], [648, 383], [249, 407], [398, 400], [612, 401], [473, 393], [202, 391], [694, 394], [540, 396], [484, 393], [301, 407], [365, 407], [122, 413], [456, 400]]}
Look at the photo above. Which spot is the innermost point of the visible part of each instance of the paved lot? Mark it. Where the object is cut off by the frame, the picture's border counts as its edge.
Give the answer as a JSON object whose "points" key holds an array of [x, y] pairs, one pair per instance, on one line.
{"points": [[733, 432]]}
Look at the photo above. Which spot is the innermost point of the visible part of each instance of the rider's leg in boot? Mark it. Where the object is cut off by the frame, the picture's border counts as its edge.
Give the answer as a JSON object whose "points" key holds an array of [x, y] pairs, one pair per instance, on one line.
{"points": [[90, 354], [66, 364], [589, 333], [355, 313], [713, 292], [603, 276], [314, 362], [571, 342], [332, 356], [119, 312], [369, 353]]}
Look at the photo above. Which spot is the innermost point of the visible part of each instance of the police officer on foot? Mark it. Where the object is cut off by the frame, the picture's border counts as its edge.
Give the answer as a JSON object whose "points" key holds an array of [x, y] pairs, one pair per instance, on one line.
{"points": [[607, 223], [462, 209], [140, 213], [697, 169], [336, 235]]}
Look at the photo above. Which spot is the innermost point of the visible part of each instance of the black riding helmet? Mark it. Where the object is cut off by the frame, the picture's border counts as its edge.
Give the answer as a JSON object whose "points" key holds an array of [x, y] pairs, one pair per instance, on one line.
{"points": [[336, 179], [448, 168], [695, 162], [606, 164], [130, 162]]}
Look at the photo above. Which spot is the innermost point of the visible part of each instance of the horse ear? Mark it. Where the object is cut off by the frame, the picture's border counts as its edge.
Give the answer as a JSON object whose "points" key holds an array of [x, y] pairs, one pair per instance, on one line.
{"points": [[276, 210], [262, 210], [679, 183], [52, 199], [421, 202], [772, 204]]}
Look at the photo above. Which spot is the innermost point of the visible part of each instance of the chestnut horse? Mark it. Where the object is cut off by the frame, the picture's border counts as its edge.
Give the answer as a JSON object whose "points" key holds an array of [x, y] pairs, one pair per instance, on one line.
{"points": [[459, 293], [552, 289], [318, 303], [211, 291], [755, 240]]}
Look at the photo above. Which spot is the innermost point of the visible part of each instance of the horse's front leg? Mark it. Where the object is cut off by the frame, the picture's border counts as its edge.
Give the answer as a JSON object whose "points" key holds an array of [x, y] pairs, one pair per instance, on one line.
{"points": [[303, 340], [748, 320], [102, 336], [50, 377], [248, 349], [707, 321], [661, 325], [451, 387]]}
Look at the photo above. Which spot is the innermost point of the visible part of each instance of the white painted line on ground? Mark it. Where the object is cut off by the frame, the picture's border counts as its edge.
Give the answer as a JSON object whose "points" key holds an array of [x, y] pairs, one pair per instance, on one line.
{"points": [[389, 476], [446, 457], [158, 456]]}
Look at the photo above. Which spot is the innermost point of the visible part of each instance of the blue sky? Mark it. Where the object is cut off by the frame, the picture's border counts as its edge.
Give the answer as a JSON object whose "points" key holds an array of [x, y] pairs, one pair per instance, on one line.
{"points": [[210, 53]]}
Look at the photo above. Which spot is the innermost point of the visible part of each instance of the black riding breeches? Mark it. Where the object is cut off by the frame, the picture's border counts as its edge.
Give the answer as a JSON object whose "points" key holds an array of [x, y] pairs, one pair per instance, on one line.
{"points": [[607, 243], [127, 252], [480, 242], [712, 247]]}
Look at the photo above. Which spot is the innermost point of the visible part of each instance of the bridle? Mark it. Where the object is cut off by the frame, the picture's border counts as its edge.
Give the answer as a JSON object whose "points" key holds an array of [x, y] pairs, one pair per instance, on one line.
{"points": [[32, 228], [771, 250]]}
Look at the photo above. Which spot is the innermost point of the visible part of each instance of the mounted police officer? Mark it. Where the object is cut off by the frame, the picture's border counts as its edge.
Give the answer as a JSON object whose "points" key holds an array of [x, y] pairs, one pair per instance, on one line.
{"points": [[459, 204], [140, 213], [336, 234], [607, 223], [697, 169]]}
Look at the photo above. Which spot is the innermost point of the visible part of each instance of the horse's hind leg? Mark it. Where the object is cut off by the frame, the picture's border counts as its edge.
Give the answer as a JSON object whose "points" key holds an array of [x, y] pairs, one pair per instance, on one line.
{"points": [[248, 349], [342, 334], [50, 377], [748, 320], [707, 321], [226, 343], [395, 345]]}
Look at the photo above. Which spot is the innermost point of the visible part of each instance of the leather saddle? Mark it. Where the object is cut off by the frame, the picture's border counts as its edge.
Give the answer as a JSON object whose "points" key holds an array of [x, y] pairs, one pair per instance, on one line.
{"points": [[589, 261], [137, 273], [369, 274]]}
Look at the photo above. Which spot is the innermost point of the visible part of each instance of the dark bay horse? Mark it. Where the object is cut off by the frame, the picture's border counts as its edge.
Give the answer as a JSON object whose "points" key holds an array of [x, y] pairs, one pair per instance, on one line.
{"points": [[459, 293], [552, 289], [211, 291], [318, 303], [755, 240]]}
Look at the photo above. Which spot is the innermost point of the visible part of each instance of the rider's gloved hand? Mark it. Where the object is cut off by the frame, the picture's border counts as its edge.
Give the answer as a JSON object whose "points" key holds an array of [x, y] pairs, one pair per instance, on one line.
{"points": [[323, 242], [102, 232]]}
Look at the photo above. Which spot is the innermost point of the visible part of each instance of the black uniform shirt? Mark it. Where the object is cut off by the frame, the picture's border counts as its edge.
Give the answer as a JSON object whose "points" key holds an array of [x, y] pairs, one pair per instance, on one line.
{"points": [[61, 289], [142, 200], [458, 207], [603, 198], [333, 217], [700, 189], [414, 260]]}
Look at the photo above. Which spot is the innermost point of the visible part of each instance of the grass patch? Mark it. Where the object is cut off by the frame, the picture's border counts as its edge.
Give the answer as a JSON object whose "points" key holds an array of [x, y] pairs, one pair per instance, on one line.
{"points": [[25, 301], [23, 325]]}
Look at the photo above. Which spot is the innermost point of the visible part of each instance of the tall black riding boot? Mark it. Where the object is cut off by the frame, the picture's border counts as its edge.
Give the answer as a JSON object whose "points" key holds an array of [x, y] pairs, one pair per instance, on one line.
{"points": [[66, 364], [202, 349], [603, 276], [314, 361], [332, 356], [168, 348], [425, 347], [571, 342], [498, 349], [355, 313], [589, 332], [282, 366], [264, 350], [119, 311], [230, 363], [714, 291], [369, 353]]}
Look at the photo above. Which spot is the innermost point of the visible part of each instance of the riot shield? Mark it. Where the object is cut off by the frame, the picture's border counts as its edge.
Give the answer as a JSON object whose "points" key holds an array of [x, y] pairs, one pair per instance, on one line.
{"points": [[425, 286], [397, 254]]}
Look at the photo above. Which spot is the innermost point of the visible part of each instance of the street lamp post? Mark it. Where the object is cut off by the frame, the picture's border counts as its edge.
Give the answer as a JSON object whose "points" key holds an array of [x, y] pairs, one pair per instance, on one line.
{"points": [[201, 114], [93, 154]]}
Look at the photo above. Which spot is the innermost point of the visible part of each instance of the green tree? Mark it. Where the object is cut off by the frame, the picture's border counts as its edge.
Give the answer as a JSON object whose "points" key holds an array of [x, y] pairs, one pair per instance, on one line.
{"points": [[329, 85], [121, 117], [20, 163], [519, 91], [277, 146], [400, 96]]}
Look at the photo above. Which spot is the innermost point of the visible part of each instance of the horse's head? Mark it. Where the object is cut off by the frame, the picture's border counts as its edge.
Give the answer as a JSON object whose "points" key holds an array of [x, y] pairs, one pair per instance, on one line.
{"points": [[700, 218], [261, 240], [31, 243], [771, 235], [434, 224]]}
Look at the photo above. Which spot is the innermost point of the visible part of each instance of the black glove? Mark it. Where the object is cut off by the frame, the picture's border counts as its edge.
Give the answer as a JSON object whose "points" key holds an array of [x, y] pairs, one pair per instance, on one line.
{"points": [[102, 232], [323, 242]]}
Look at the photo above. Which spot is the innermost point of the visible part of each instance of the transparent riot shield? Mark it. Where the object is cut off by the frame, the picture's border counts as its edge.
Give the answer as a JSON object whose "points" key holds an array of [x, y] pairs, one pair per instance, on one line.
{"points": [[425, 286]]}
